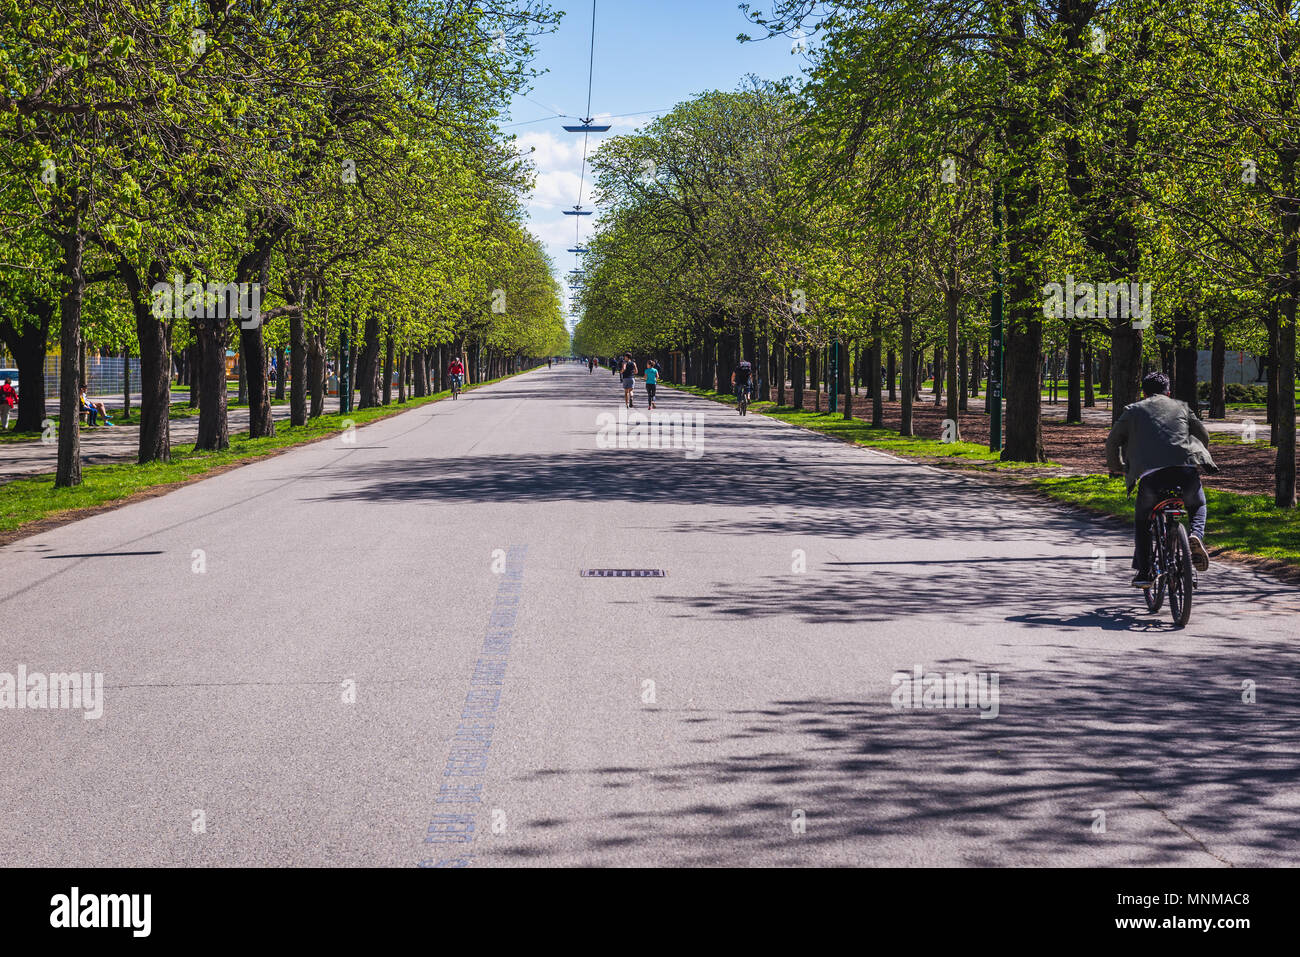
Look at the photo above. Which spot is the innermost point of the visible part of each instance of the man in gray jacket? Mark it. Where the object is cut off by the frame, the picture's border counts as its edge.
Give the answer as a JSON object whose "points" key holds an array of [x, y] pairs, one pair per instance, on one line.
{"points": [[1163, 446]]}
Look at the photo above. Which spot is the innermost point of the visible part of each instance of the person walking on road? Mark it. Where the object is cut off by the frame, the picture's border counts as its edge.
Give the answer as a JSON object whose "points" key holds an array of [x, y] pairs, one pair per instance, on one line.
{"points": [[629, 379], [651, 383], [1163, 445], [8, 399]]}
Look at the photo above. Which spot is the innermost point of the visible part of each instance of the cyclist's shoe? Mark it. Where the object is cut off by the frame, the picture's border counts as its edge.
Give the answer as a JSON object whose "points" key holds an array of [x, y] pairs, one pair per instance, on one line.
{"points": [[1200, 557], [1142, 580]]}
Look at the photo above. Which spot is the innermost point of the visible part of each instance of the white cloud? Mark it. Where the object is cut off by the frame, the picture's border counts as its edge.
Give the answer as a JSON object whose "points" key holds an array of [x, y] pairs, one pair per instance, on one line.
{"points": [[558, 159]]}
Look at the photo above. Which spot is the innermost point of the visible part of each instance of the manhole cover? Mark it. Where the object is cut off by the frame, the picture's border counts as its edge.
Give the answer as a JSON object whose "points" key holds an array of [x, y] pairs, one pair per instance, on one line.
{"points": [[623, 573]]}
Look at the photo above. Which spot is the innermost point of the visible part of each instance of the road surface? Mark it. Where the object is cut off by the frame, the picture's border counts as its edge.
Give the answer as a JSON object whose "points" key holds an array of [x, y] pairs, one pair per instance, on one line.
{"points": [[740, 710]]}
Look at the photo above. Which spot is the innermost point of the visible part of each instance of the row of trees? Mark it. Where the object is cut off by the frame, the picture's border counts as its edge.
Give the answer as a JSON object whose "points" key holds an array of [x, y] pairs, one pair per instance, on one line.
{"points": [[341, 156], [940, 154]]}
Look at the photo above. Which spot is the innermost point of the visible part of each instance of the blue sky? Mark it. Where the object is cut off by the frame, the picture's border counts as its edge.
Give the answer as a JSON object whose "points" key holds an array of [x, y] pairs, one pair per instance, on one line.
{"points": [[649, 57]]}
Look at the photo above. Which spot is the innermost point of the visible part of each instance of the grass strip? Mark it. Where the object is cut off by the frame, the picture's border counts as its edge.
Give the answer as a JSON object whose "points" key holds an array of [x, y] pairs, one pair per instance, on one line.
{"points": [[1243, 525]]}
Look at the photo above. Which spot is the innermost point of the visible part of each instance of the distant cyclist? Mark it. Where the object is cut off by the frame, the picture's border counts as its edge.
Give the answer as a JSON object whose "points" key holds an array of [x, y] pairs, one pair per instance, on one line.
{"points": [[742, 378], [457, 372], [1163, 444]]}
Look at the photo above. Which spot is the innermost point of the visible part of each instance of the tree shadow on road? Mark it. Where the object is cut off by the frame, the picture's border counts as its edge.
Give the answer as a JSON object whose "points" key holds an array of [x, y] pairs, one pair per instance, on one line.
{"points": [[1185, 771], [831, 499]]}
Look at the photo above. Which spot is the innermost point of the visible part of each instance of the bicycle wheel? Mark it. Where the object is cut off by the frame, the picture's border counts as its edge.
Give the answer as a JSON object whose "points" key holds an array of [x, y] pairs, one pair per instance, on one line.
{"points": [[1180, 574], [1155, 595]]}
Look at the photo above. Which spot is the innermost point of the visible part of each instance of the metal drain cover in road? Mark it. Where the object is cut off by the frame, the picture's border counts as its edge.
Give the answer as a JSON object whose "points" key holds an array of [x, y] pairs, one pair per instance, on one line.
{"points": [[623, 573]]}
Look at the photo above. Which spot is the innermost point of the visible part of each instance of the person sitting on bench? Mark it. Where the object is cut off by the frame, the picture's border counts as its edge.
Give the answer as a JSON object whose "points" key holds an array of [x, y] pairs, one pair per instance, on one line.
{"points": [[93, 409]]}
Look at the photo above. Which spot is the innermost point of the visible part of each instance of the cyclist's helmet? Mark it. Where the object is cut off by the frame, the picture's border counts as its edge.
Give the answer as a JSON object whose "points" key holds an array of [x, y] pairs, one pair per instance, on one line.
{"points": [[1155, 383]]}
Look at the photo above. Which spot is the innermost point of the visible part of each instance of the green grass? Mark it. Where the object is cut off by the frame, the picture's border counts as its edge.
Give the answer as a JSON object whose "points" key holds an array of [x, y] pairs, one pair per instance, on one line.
{"points": [[1234, 438], [861, 433], [179, 410], [31, 499], [1249, 524]]}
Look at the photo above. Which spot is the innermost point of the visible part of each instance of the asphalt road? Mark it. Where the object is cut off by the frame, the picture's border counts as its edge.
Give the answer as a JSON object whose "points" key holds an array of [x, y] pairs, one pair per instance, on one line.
{"points": [[737, 711]]}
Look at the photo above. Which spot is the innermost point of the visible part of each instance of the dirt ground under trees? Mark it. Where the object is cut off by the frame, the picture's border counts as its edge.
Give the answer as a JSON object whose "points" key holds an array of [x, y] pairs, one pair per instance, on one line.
{"points": [[1077, 449]]}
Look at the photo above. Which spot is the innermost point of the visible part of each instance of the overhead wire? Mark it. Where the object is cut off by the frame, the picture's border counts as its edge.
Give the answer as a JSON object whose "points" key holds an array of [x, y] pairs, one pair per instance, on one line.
{"points": [[586, 121]]}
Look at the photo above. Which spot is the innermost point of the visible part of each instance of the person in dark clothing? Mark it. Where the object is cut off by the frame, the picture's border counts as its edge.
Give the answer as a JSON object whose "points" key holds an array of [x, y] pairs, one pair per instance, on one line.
{"points": [[1158, 444]]}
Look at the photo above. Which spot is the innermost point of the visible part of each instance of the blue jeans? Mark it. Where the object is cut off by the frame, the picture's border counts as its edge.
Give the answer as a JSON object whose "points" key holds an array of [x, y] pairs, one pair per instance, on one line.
{"points": [[1150, 493]]}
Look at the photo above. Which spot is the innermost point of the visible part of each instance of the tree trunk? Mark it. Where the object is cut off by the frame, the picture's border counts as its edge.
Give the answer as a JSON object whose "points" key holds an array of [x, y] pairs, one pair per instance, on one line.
{"points": [[298, 368], [1024, 427], [797, 377], [1185, 345], [419, 380], [963, 376], [1125, 368], [27, 341], [891, 373], [814, 358], [780, 370], [155, 440], [1271, 365], [918, 371], [369, 364], [908, 389], [316, 372], [195, 364], [1285, 471], [214, 428], [388, 366], [68, 471], [956, 394], [937, 389], [281, 373], [252, 344], [846, 357], [722, 374], [1284, 426], [877, 389], [1073, 376], [1089, 392], [1218, 397]]}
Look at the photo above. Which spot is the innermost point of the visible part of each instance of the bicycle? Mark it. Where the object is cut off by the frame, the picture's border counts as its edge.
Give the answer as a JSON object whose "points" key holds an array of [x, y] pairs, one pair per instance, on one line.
{"points": [[455, 386], [742, 398], [1171, 558]]}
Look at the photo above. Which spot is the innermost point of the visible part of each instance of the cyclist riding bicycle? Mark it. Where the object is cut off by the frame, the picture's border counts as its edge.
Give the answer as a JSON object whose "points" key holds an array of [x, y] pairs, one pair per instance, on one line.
{"points": [[457, 371], [741, 377], [1163, 446]]}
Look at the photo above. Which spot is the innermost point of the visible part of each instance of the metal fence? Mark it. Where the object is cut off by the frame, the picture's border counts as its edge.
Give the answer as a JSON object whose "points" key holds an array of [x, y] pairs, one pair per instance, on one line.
{"points": [[103, 376]]}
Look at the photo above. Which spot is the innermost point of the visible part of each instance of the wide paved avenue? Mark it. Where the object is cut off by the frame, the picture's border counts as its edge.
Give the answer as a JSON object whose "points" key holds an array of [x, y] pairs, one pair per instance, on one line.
{"points": [[739, 710]]}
